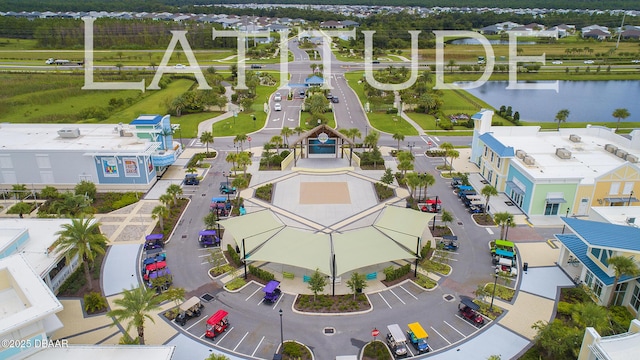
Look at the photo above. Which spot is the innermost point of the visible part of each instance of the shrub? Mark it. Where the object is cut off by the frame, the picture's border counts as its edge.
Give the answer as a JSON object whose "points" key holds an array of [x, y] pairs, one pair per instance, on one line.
{"points": [[285, 153], [222, 269], [564, 308], [126, 199], [620, 319], [575, 295], [94, 302], [261, 274], [392, 274], [86, 188], [235, 284], [235, 257], [424, 252], [383, 191], [264, 192]]}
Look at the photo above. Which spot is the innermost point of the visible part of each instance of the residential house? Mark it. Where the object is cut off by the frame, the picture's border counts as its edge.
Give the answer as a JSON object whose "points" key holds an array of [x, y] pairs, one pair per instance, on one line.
{"points": [[596, 34], [331, 24], [631, 34]]}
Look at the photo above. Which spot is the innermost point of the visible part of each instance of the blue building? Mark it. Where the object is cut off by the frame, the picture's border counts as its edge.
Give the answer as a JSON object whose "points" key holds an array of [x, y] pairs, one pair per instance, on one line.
{"points": [[112, 156]]}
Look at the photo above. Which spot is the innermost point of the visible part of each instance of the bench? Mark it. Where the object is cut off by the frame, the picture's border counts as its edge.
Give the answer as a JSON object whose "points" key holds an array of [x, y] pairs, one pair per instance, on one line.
{"points": [[287, 275], [372, 276], [306, 278]]}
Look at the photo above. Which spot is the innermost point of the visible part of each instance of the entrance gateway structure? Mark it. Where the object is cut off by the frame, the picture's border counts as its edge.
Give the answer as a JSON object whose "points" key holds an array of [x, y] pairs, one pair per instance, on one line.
{"points": [[322, 142]]}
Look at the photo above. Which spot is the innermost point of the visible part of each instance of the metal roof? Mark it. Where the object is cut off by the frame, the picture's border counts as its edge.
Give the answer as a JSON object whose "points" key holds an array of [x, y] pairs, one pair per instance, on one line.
{"points": [[604, 235], [495, 145]]}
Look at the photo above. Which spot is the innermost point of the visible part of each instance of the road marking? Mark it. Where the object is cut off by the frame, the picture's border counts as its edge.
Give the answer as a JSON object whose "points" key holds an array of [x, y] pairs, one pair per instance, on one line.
{"points": [[385, 301], [258, 289], [410, 352], [394, 294], [196, 323], [276, 119], [468, 323], [444, 338], [205, 255], [240, 342], [435, 137], [410, 294], [456, 330], [489, 231], [277, 302], [224, 336], [254, 351]]}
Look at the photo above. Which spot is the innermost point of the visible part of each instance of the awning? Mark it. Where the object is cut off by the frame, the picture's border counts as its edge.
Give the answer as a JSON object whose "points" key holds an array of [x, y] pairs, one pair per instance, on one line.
{"points": [[556, 201], [515, 188], [614, 200]]}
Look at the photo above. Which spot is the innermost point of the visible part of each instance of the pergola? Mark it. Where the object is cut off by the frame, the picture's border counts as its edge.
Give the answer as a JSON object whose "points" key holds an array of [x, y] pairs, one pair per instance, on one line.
{"points": [[316, 132], [397, 234]]}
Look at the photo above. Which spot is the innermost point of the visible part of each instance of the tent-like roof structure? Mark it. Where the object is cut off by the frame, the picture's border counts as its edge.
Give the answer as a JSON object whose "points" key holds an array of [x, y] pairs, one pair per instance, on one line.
{"points": [[393, 237]]}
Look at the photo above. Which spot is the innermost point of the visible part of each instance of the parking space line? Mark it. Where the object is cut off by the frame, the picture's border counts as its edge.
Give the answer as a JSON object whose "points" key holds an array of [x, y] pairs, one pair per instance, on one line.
{"points": [[385, 301], [468, 323], [456, 330], [224, 336], [277, 302], [261, 300], [394, 294], [257, 347], [240, 342], [489, 231], [205, 255], [204, 263], [409, 351], [408, 292], [196, 323], [253, 293], [444, 338]]}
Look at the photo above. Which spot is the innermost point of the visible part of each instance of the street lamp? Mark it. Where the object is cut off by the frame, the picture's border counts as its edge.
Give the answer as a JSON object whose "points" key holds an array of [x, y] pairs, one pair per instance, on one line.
{"points": [[506, 234], [565, 224], [227, 173], [281, 333], [410, 145], [630, 196], [495, 281]]}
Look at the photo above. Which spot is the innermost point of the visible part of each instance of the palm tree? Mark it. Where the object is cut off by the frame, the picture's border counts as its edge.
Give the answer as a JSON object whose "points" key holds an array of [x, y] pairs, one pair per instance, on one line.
{"points": [[454, 154], [217, 357], [622, 265], [503, 219], [488, 191], [206, 138], [405, 161], [243, 159], [446, 146], [426, 180], [354, 133], [412, 182], [175, 294], [399, 137], [167, 200], [160, 212], [589, 314], [276, 141], [561, 117], [452, 64], [81, 238], [174, 190], [232, 158], [286, 132], [240, 139], [134, 307], [620, 114], [267, 153]]}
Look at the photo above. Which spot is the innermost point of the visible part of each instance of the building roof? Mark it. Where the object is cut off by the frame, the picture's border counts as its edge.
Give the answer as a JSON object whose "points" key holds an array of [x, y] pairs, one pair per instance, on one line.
{"points": [[41, 233], [620, 347], [26, 299], [496, 146], [588, 159], [104, 352], [604, 235], [103, 138], [147, 120]]}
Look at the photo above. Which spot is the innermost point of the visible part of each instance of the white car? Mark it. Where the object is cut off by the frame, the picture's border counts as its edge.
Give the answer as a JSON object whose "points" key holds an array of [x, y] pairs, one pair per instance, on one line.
{"points": [[277, 97], [180, 66], [556, 62], [277, 107], [635, 61], [589, 61]]}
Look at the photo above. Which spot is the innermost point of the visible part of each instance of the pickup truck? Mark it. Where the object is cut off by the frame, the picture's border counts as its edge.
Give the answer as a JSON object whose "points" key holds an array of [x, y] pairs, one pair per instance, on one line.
{"points": [[52, 61]]}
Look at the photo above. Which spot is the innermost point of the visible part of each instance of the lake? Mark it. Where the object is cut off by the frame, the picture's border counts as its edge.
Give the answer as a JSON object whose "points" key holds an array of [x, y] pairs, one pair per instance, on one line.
{"points": [[587, 101]]}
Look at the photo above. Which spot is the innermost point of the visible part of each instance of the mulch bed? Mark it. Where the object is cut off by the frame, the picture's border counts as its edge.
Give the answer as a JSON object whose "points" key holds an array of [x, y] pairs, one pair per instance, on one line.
{"points": [[483, 219], [399, 280]]}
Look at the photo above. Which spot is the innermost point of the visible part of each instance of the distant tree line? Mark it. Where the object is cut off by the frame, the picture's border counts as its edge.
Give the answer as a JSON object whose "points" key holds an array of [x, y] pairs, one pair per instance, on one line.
{"points": [[175, 5]]}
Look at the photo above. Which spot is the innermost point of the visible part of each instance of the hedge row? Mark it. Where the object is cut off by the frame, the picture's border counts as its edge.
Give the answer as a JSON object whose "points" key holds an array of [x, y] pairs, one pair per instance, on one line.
{"points": [[235, 257], [261, 274], [391, 274]]}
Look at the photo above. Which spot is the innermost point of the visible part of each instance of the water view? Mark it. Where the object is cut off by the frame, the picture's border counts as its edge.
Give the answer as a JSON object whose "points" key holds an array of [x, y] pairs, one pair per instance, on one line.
{"points": [[587, 101]]}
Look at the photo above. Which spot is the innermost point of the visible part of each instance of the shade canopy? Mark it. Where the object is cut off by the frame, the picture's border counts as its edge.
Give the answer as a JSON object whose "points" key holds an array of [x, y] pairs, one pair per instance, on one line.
{"points": [[255, 228]]}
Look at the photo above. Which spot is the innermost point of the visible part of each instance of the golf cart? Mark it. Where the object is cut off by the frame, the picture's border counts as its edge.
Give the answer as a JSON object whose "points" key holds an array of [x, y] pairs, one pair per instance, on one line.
{"points": [[449, 242], [191, 179], [208, 238], [272, 291], [154, 241], [217, 324], [189, 309], [467, 309], [226, 188]]}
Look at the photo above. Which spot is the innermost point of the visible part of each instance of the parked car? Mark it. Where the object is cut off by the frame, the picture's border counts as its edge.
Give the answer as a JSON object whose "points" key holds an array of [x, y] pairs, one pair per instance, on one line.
{"points": [[418, 337], [217, 324], [189, 309], [335, 100], [449, 242], [277, 107], [467, 309], [191, 179], [396, 341], [154, 241], [208, 238], [329, 96], [277, 97]]}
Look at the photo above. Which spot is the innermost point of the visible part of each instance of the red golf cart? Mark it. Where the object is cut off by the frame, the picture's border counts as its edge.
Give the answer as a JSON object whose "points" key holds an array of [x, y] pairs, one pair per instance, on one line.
{"points": [[217, 324]]}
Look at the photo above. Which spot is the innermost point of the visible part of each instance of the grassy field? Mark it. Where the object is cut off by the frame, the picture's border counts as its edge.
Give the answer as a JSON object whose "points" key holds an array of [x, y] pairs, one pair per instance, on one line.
{"points": [[389, 123]]}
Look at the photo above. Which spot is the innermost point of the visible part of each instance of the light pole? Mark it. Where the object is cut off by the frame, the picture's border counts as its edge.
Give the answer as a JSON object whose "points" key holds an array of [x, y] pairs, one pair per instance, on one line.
{"points": [[565, 224], [495, 281], [506, 234], [410, 145], [630, 196], [227, 173], [281, 333]]}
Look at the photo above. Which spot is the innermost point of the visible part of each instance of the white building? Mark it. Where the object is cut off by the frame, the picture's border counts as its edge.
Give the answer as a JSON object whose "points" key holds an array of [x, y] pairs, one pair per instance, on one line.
{"points": [[616, 347]]}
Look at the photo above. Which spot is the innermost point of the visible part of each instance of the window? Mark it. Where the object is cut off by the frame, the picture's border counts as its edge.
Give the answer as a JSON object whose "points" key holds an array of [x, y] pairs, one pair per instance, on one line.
{"points": [[492, 156], [596, 252], [597, 287], [588, 278], [43, 162], [628, 188], [635, 298], [486, 151], [551, 209], [621, 290], [499, 161], [614, 189], [490, 175]]}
